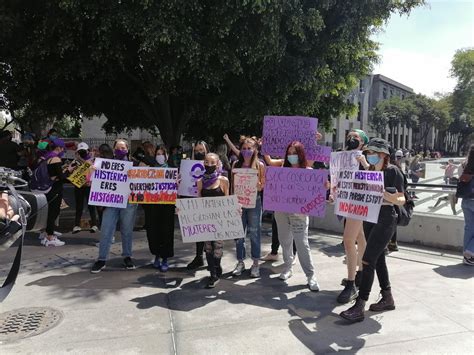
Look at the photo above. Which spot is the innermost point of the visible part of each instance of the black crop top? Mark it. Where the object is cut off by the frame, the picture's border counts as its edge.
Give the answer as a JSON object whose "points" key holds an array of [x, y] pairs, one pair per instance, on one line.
{"points": [[212, 192]]}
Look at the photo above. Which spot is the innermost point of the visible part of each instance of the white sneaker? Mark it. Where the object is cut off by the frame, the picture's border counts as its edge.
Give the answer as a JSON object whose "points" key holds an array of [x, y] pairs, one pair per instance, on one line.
{"points": [[285, 275], [270, 257], [255, 271], [239, 268], [76, 229], [57, 234], [94, 229], [313, 284], [55, 242]]}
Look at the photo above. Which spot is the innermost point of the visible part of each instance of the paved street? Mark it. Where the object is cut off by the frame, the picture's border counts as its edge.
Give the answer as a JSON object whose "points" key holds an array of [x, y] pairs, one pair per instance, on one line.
{"points": [[146, 311]]}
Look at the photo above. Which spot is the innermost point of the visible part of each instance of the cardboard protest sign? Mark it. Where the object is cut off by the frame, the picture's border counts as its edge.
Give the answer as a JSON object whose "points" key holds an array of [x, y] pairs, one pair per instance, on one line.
{"points": [[295, 191], [79, 176], [322, 154], [191, 171], [209, 218], [153, 185], [345, 160], [359, 194], [110, 183], [245, 186], [279, 131]]}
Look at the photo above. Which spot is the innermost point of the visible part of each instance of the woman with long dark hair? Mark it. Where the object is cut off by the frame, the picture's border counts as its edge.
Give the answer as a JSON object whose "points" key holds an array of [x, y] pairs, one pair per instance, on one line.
{"points": [[200, 150], [110, 217], [293, 226], [466, 184], [159, 218], [378, 234], [251, 217]]}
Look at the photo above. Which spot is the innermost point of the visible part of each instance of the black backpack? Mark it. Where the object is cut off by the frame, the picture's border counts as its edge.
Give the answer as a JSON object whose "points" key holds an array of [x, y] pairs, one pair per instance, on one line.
{"points": [[405, 212]]}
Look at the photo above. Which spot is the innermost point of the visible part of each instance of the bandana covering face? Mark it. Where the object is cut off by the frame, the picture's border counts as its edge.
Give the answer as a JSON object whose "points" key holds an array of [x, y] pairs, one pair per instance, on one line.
{"points": [[209, 179]]}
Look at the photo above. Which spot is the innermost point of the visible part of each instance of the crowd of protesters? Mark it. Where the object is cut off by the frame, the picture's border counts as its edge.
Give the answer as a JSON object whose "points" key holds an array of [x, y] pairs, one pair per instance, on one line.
{"points": [[364, 242]]}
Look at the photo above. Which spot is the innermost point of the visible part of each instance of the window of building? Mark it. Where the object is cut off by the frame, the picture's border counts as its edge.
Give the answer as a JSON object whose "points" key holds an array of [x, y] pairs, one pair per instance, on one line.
{"points": [[403, 96], [391, 92], [359, 112], [384, 93], [334, 135]]}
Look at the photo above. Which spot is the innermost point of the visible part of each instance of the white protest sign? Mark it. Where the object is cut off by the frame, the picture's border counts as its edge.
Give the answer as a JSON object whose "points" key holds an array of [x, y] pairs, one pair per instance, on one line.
{"points": [[191, 171], [359, 194], [345, 160], [245, 186], [110, 183], [209, 218]]}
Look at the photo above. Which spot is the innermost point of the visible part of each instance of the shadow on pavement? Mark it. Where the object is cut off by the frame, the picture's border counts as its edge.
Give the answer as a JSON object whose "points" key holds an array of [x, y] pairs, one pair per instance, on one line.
{"points": [[459, 271]]}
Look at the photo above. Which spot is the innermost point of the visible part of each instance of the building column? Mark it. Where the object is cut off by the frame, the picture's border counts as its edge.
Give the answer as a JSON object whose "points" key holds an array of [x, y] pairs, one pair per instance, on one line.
{"points": [[410, 138]]}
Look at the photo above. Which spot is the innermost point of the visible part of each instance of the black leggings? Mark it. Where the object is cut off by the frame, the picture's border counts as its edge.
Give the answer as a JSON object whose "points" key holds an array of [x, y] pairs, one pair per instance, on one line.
{"points": [[275, 241], [54, 198], [159, 224], [377, 235], [79, 195]]}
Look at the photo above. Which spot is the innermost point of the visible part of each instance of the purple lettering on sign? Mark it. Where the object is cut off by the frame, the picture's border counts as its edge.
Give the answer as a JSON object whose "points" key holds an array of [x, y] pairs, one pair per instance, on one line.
{"points": [[295, 190], [279, 131], [322, 154]]}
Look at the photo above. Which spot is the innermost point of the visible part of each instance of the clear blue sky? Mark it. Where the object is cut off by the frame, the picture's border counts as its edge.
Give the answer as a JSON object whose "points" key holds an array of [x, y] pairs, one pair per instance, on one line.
{"points": [[417, 50]]}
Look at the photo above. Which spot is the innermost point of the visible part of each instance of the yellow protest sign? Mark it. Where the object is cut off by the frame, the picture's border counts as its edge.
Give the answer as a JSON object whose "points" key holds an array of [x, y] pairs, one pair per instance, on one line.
{"points": [[79, 176]]}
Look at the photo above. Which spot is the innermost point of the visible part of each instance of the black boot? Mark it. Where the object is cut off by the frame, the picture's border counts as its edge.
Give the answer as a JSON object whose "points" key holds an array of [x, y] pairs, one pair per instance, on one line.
{"points": [[355, 313], [349, 293], [196, 263], [358, 278], [386, 303]]}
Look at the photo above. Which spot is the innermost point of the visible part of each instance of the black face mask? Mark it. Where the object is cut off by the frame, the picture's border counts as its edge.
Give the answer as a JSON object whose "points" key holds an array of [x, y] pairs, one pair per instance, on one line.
{"points": [[82, 153], [352, 143], [199, 156], [210, 169]]}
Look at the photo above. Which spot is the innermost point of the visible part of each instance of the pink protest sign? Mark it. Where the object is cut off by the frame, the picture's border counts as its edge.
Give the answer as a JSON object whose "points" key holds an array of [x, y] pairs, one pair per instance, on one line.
{"points": [[322, 154], [295, 190], [279, 131]]}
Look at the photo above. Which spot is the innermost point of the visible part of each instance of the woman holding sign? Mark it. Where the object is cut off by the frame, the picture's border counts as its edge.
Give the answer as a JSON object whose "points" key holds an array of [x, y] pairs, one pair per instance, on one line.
{"points": [[159, 218], [248, 179], [213, 184], [378, 235], [353, 237], [112, 215], [295, 226], [200, 149]]}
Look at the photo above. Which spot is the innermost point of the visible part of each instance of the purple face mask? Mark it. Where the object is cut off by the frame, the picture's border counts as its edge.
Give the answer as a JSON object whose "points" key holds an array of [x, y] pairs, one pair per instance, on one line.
{"points": [[120, 154], [246, 153]]}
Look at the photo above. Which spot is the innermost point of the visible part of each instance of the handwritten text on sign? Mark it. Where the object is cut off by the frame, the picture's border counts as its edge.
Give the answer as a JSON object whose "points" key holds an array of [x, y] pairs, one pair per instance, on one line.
{"points": [[343, 161], [322, 154], [245, 186], [295, 190], [279, 131], [153, 185], [79, 176], [209, 218], [359, 194], [191, 171], [110, 183]]}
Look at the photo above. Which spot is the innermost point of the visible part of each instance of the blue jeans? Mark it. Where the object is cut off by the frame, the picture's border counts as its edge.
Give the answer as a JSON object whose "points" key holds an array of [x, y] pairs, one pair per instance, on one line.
{"points": [[110, 218], [252, 221], [468, 210]]}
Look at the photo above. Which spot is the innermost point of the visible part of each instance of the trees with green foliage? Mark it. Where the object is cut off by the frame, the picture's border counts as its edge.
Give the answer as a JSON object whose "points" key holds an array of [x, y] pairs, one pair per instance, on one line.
{"points": [[196, 66], [462, 99]]}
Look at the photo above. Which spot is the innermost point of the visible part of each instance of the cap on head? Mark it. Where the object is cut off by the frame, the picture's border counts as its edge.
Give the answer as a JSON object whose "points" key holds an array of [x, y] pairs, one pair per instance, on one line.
{"points": [[58, 143], [82, 146], [378, 145], [362, 135], [399, 153]]}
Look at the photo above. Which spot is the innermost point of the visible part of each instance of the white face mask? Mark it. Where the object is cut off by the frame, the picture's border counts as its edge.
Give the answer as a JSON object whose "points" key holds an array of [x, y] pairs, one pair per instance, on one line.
{"points": [[160, 159]]}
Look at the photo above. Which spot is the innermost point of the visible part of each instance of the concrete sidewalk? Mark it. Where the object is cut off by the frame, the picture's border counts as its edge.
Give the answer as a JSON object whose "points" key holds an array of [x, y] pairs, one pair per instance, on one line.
{"points": [[146, 311]]}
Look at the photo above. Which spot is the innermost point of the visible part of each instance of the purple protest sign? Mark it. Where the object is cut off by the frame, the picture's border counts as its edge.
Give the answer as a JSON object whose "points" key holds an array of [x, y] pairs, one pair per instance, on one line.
{"points": [[322, 154], [295, 190], [279, 131]]}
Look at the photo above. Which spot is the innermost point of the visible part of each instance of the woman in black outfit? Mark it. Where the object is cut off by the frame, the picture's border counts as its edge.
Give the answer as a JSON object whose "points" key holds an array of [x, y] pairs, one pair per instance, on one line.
{"points": [[159, 218], [378, 235]]}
